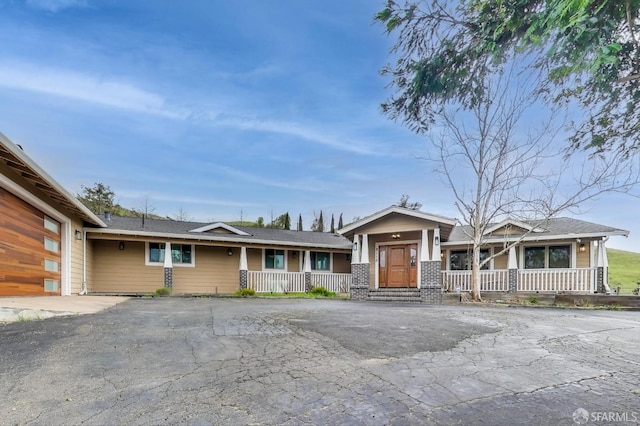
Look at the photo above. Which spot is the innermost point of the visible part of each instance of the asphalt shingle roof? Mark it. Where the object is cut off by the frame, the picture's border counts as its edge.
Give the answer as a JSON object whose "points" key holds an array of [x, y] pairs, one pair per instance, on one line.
{"points": [[172, 227], [556, 227]]}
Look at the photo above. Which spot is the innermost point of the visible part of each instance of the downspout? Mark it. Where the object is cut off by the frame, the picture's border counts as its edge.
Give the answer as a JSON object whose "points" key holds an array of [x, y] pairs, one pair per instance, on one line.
{"points": [[84, 263]]}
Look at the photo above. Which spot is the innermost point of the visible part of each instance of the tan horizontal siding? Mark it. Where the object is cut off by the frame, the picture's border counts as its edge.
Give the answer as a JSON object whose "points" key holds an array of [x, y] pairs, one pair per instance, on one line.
{"points": [[123, 271], [214, 272], [76, 257], [341, 265]]}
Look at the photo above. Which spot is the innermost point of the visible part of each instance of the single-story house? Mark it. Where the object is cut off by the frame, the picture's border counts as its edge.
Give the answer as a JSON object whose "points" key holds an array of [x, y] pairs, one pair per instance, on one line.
{"points": [[51, 244]]}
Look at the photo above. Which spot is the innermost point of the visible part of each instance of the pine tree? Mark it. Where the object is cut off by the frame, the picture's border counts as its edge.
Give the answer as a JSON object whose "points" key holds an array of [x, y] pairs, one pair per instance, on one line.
{"points": [[332, 229], [300, 222], [287, 221], [340, 224]]}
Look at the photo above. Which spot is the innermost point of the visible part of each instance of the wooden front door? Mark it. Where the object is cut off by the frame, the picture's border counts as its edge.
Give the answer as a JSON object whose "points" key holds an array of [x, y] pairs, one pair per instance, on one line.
{"points": [[397, 266]]}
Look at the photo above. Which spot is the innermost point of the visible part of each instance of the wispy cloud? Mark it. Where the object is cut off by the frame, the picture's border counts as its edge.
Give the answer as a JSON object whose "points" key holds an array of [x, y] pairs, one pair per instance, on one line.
{"points": [[312, 186], [55, 5], [112, 93], [83, 87], [322, 137]]}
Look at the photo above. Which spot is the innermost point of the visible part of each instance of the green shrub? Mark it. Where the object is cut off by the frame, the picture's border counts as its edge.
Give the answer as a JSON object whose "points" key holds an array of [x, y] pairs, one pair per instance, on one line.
{"points": [[244, 292], [163, 291], [533, 300], [321, 291]]}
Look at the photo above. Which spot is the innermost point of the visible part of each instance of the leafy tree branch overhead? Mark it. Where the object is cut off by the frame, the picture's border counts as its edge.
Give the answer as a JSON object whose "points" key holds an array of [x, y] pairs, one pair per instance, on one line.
{"points": [[586, 54]]}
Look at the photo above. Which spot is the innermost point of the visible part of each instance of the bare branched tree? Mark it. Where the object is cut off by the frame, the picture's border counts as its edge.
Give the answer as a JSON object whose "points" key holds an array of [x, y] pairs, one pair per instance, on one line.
{"points": [[499, 165], [182, 216]]}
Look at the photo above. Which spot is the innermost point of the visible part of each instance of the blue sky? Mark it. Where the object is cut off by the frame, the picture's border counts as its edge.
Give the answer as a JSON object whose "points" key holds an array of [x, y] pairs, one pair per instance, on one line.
{"points": [[218, 108]]}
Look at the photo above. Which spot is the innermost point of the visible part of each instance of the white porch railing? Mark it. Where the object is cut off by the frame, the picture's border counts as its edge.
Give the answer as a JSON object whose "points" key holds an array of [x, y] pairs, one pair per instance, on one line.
{"points": [[578, 280], [493, 280], [293, 282], [338, 283], [276, 282]]}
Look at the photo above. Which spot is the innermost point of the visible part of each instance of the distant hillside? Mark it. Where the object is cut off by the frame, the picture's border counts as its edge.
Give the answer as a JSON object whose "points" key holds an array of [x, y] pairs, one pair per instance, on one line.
{"points": [[624, 269]]}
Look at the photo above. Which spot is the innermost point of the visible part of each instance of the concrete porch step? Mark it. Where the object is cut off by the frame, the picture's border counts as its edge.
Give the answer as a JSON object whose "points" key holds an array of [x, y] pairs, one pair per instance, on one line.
{"points": [[395, 295]]}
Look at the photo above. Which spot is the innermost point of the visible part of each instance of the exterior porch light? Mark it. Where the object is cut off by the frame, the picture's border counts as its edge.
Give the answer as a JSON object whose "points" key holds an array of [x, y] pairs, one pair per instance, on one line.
{"points": [[582, 247], [121, 245], [229, 251], [395, 236], [436, 240], [78, 234]]}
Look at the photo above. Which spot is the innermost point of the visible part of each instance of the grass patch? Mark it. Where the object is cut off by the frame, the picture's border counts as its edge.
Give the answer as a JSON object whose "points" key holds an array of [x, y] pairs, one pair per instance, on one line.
{"points": [[533, 300], [624, 270], [244, 292]]}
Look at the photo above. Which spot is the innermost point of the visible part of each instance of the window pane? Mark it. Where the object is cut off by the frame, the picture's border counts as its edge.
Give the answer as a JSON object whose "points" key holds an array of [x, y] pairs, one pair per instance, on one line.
{"points": [[383, 258], [186, 253], [534, 257], [414, 253], [274, 259], [176, 253], [51, 265], [484, 253], [458, 260], [51, 225], [156, 252], [50, 285], [50, 245], [560, 257], [320, 261]]}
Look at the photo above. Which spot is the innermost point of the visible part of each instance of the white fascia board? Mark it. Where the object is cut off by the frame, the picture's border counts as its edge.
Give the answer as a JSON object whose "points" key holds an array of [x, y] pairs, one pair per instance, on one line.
{"points": [[219, 225], [539, 238], [20, 154], [400, 210], [211, 238]]}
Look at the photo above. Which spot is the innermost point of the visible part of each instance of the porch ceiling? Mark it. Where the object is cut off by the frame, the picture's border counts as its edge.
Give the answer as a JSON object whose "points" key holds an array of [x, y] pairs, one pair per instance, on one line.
{"points": [[14, 158]]}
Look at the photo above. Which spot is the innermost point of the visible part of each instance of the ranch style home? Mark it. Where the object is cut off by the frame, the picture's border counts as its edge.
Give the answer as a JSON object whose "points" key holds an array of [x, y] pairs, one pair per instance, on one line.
{"points": [[51, 244]]}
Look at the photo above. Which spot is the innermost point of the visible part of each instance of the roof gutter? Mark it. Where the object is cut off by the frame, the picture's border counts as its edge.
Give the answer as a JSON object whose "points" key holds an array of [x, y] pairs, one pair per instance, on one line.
{"points": [[115, 232]]}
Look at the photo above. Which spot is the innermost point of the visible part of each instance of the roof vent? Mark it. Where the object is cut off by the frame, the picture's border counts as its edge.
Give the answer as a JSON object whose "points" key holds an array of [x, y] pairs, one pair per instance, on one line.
{"points": [[107, 215]]}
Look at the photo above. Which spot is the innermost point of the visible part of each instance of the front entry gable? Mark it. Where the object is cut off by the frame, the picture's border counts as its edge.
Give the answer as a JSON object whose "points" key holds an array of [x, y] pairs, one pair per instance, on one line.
{"points": [[397, 220]]}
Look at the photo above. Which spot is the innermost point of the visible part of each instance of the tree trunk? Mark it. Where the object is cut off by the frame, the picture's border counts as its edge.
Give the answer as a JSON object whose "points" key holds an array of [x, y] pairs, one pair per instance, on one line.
{"points": [[475, 274]]}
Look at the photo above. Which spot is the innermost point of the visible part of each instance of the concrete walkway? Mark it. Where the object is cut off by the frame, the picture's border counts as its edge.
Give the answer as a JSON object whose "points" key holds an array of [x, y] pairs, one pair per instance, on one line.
{"points": [[14, 309]]}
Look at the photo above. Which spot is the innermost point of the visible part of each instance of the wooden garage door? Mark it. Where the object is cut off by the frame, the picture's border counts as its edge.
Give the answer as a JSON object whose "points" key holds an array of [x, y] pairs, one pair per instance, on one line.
{"points": [[30, 249]]}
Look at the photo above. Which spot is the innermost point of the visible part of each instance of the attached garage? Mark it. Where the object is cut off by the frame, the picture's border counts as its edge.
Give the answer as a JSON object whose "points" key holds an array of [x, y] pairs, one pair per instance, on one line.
{"points": [[42, 249], [30, 247]]}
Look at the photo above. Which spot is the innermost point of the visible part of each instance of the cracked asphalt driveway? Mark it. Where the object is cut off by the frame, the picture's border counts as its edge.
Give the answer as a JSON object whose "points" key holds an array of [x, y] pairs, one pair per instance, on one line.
{"points": [[262, 361]]}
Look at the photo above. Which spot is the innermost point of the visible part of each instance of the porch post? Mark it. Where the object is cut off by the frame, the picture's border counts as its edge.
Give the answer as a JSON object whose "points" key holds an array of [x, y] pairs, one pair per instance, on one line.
{"points": [[168, 266], [359, 289], [424, 258], [244, 274], [307, 270], [600, 284], [512, 265], [605, 265], [355, 250], [431, 271]]}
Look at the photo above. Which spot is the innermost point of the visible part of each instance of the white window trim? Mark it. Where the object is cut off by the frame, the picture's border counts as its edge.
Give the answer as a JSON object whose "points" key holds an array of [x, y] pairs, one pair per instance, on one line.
{"points": [[65, 229], [574, 260], [264, 261], [178, 265], [323, 271], [376, 257]]}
